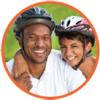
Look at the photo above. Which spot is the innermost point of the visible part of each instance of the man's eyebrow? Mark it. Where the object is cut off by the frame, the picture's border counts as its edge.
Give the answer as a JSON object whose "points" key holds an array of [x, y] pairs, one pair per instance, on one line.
{"points": [[31, 33]]}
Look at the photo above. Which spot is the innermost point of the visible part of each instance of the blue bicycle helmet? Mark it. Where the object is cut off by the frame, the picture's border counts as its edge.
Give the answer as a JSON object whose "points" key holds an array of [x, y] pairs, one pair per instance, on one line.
{"points": [[32, 16]]}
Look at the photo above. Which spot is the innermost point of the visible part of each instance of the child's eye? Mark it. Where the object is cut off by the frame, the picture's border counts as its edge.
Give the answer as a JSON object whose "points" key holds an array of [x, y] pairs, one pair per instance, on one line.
{"points": [[75, 46], [62, 47]]}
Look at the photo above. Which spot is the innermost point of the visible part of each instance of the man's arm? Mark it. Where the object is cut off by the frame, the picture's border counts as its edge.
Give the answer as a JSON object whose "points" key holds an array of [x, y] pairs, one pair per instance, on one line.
{"points": [[20, 64], [88, 66], [18, 69]]}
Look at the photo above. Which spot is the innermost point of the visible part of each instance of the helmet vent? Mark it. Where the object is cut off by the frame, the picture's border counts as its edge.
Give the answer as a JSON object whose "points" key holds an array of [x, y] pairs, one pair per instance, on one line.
{"points": [[68, 22], [78, 22], [62, 22]]}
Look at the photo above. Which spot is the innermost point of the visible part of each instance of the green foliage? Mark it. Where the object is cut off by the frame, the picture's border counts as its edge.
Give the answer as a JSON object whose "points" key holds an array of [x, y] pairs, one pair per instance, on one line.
{"points": [[59, 11], [11, 45], [94, 50]]}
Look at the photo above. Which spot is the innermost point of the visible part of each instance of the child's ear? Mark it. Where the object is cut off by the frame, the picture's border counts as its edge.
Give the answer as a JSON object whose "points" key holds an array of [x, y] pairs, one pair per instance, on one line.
{"points": [[88, 47]]}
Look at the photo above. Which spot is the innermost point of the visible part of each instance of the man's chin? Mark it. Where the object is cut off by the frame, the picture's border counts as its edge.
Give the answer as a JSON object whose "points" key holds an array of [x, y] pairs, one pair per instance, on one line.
{"points": [[39, 61]]}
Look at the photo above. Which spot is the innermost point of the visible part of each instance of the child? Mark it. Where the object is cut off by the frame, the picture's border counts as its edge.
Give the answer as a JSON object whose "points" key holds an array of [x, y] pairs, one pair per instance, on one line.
{"points": [[76, 40]]}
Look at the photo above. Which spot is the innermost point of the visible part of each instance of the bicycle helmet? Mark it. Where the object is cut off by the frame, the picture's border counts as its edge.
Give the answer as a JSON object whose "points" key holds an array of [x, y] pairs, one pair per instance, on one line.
{"points": [[33, 16], [75, 24]]}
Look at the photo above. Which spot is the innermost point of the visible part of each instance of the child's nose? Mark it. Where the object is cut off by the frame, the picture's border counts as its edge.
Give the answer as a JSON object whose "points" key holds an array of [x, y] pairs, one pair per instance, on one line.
{"points": [[68, 52]]}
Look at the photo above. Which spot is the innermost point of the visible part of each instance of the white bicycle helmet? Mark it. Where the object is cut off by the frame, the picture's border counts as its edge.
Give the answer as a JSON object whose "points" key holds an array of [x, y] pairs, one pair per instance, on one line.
{"points": [[77, 24], [70, 21]]}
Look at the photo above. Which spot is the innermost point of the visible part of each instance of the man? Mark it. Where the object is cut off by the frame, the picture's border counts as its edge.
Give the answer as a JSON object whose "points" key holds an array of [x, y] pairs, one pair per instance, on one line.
{"points": [[48, 74]]}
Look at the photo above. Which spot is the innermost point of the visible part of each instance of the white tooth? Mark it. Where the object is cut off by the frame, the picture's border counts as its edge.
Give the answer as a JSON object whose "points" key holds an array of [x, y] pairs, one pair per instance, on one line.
{"points": [[70, 58], [39, 51]]}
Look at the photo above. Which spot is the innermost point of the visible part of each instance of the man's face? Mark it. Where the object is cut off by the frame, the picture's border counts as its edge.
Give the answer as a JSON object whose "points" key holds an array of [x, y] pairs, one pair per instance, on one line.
{"points": [[72, 50], [37, 42]]}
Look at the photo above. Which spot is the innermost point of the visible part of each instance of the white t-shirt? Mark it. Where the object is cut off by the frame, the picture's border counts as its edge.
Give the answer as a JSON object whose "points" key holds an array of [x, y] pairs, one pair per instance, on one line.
{"points": [[57, 79]]}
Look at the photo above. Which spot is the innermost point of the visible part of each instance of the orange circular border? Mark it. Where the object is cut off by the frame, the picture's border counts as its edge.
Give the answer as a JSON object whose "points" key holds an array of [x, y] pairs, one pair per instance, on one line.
{"points": [[11, 22]]}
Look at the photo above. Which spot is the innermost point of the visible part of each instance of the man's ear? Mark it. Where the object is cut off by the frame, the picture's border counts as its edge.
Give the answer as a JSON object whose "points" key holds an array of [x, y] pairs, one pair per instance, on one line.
{"points": [[88, 47]]}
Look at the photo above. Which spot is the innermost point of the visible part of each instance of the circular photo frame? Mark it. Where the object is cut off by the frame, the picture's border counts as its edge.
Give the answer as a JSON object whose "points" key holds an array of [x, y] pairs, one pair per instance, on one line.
{"points": [[51, 75]]}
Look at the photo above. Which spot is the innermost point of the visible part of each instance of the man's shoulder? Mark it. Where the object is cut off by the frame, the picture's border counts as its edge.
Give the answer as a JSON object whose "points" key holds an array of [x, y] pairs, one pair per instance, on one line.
{"points": [[10, 65], [55, 59], [55, 53]]}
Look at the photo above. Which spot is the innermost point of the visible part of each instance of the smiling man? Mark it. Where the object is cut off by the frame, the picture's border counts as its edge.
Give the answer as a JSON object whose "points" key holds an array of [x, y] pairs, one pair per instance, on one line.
{"points": [[48, 74]]}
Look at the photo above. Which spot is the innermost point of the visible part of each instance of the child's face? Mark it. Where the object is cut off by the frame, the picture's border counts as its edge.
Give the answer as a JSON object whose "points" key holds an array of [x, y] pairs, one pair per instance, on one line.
{"points": [[72, 50]]}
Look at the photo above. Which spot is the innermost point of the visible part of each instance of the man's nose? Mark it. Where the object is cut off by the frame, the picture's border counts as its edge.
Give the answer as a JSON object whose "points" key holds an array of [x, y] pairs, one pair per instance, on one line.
{"points": [[40, 42]]}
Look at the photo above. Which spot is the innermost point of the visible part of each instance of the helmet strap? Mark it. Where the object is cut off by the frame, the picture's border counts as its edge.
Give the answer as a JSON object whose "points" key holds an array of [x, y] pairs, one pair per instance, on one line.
{"points": [[22, 45], [78, 65]]}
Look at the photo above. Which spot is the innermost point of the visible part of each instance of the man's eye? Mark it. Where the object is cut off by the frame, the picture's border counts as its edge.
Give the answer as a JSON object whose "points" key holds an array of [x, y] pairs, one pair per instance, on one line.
{"points": [[47, 38], [32, 38]]}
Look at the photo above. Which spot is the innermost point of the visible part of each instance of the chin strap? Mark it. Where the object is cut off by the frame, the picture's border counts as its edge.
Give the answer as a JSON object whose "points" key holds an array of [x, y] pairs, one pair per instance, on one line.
{"points": [[78, 65]]}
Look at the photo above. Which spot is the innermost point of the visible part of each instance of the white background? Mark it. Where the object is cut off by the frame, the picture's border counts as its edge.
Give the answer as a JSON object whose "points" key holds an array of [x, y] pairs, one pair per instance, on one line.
{"points": [[8, 9]]}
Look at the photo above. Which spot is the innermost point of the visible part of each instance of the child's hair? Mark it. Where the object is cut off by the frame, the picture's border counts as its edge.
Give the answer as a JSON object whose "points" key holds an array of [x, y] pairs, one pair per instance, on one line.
{"points": [[76, 36]]}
